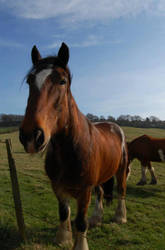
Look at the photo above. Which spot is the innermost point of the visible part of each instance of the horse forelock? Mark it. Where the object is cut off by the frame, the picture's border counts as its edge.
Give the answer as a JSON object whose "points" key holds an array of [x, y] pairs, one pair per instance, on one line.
{"points": [[45, 66]]}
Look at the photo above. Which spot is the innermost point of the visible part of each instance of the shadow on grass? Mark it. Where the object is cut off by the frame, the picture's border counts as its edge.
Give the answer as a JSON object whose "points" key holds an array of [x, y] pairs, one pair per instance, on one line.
{"points": [[43, 238], [9, 238], [143, 192], [44, 235]]}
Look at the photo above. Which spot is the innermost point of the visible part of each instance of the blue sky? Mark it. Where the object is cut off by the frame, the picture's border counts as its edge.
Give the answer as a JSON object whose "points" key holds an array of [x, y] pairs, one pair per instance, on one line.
{"points": [[117, 52]]}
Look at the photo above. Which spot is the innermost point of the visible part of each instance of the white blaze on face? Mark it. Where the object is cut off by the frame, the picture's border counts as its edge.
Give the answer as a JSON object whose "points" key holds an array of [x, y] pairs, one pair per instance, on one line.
{"points": [[161, 154], [41, 77]]}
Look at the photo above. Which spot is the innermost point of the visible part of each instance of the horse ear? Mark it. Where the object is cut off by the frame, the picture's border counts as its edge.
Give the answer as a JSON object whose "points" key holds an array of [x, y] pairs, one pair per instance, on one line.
{"points": [[63, 54], [35, 55]]}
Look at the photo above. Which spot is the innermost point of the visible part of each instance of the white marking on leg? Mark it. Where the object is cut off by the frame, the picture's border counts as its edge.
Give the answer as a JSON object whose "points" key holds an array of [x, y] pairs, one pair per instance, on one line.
{"points": [[143, 179], [64, 233], [129, 172], [144, 171], [121, 213], [153, 177], [81, 241], [152, 171], [161, 154]]}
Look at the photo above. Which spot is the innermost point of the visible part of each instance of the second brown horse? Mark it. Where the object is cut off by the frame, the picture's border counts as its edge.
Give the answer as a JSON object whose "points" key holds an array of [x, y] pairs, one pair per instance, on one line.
{"points": [[147, 149]]}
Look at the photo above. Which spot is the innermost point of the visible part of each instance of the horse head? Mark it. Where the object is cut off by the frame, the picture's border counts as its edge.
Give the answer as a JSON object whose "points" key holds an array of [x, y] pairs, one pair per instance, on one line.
{"points": [[47, 110]]}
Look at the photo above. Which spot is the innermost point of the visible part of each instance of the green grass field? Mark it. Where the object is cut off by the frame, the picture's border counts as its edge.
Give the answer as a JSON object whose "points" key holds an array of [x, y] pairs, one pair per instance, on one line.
{"points": [[8, 130], [145, 206]]}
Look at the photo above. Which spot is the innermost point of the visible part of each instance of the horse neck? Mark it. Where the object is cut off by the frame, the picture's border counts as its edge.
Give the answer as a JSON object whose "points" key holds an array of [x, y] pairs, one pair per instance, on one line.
{"points": [[78, 126], [76, 134]]}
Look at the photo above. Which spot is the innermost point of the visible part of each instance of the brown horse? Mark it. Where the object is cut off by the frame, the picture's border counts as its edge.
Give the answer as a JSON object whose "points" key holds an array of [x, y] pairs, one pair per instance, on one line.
{"points": [[80, 155], [147, 149]]}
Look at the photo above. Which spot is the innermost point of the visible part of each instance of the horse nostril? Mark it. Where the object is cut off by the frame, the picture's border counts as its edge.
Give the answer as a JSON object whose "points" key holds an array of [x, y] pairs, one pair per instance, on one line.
{"points": [[34, 139], [38, 137]]}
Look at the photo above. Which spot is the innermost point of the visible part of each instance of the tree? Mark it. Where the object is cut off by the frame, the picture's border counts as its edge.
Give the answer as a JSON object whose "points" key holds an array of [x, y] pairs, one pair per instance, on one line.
{"points": [[111, 119], [102, 118], [92, 118]]}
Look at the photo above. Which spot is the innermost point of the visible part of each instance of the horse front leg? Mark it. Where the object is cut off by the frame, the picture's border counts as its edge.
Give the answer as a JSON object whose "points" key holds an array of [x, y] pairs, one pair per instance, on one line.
{"points": [[64, 233], [81, 222]]}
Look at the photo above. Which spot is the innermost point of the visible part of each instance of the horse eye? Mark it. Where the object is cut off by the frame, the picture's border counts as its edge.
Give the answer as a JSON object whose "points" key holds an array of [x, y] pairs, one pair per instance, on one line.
{"points": [[63, 81]]}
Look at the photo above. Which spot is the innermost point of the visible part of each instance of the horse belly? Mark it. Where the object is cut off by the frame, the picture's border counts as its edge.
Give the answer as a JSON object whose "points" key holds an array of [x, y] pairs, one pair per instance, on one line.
{"points": [[109, 166]]}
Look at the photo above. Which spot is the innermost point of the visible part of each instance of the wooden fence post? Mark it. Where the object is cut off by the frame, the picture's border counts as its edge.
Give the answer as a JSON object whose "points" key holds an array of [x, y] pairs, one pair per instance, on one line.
{"points": [[15, 190]]}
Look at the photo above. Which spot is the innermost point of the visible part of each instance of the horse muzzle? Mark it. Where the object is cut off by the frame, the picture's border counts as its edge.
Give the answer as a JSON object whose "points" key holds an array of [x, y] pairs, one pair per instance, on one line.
{"points": [[33, 142]]}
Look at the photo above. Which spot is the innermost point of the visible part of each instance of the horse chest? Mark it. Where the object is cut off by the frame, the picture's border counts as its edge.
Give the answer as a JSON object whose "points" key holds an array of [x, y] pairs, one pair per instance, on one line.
{"points": [[64, 165]]}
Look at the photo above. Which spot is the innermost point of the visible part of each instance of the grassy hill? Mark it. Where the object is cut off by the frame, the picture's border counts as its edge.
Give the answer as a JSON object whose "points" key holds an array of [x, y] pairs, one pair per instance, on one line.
{"points": [[145, 206]]}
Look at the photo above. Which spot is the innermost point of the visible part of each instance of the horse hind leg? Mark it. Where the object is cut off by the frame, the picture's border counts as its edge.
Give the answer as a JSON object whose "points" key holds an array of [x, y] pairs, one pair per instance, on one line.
{"points": [[121, 176], [96, 218], [152, 172], [143, 179]]}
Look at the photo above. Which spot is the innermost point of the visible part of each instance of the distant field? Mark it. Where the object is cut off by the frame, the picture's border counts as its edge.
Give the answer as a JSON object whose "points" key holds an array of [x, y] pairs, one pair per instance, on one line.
{"points": [[8, 130], [145, 206]]}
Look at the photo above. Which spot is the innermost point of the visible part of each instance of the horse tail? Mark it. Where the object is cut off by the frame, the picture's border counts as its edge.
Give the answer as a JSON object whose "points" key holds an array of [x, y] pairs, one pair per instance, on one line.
{"points": [[128, 170], [125, 160], [108, 190]]}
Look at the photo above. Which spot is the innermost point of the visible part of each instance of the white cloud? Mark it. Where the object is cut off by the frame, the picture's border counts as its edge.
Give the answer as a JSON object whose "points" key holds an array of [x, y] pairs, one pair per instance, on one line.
{"points": [[91, 40], [74, 11]]}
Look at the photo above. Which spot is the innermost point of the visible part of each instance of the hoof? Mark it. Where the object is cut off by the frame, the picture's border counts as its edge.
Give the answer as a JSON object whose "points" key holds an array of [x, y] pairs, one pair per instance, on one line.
{"points": [[119, 220], [68, 244], [109, 202], [94, 221], [153, 182], [64, 239], [141, 183], [81, 242]]}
